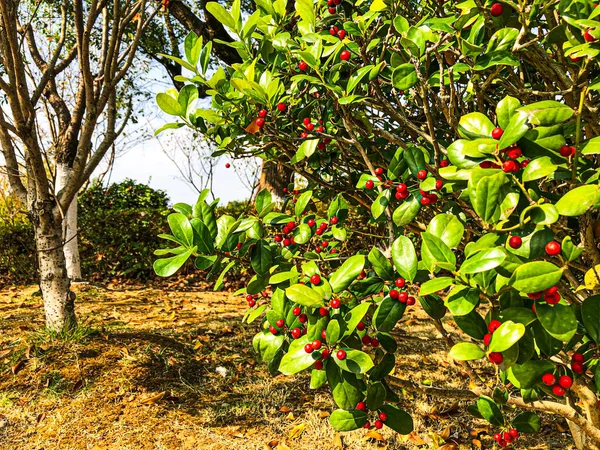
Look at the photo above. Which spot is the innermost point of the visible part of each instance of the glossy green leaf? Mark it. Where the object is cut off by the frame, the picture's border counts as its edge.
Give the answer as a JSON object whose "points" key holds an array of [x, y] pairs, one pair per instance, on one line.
{"points": [[303, 295], [343, 420], [405, 258], [466, 351], [347, 273], [535, 276], [558, 320], [506, 336]]}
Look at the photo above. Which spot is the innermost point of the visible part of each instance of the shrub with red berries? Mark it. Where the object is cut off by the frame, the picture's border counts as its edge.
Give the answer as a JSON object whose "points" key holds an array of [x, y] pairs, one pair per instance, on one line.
{"points": [[465, 138]]}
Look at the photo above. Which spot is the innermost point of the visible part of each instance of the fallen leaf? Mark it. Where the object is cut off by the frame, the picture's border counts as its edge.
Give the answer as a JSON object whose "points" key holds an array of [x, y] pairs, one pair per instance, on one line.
{"points": [[4, 353], [284, 409], [337, 441], [290, 416], [17, 367], [476, 443], [560, 428], [297, 431], [374, 435], [416, 439], [40, 417], [153, 398], [274, 443], [324, 414], [282, 447], [446, 433], [477, 431], [448, 447]]}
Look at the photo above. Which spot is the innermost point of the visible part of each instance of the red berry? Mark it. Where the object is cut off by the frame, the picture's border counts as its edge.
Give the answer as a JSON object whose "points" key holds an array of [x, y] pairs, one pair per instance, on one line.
{"points": [[280, 323], [323, 311], [367, 425], [565, 381], [507, 437], [260, 122], [410, 301], [549, 379], [319, 365], [497, 437], [558, 390], [311, 222], [577, 367], [308, 348], [402, 297], [296, 311], [553, 248], [487, 339], [227, 165], [341, 34], [324, 244], [324, 334], [515, 242], [281, 107], [316, 345], [400, 282], [379, 171], [262, 113], [422, 174], [578, 357], [306, 120], [335, 303], [497, 133], [302, 318], [444, 163], [552, 299], [535, 295], [502, 443], [345, 55], [287, 242], [303, 66], [378, 424], [496, 358], [273, 330], [494, 325], [566, 151], [514, 153], [383, 416], [366, 340], [334, 220], [375, 342], [369, 184], [514, 433], [510, 166], [341, 355], [485, 164], [401, 187], [496, 10], [438, 184], [325, 354], [425, 201], [361, 406], [588, 36], [315, 279], [251, 303], [394, 294], [360, 326]]}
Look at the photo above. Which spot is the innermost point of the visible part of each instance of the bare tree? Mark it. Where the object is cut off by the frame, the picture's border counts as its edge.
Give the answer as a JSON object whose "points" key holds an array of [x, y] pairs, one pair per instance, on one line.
{"points": [[97, 41]]}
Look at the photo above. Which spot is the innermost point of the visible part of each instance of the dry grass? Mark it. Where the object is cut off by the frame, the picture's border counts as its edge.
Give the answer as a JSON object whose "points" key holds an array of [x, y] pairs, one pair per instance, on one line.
{"points": [[141, 374]]}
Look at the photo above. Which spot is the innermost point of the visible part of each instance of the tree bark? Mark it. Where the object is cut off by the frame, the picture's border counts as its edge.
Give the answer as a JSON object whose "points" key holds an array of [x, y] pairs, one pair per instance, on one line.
{"points": [[54, 283], [70, 249]]}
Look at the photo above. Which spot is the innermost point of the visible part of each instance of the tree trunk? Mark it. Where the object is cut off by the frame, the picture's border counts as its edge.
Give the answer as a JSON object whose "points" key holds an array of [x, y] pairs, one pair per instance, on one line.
{"points": [[54, 283], [275, 177], [71, 249]]}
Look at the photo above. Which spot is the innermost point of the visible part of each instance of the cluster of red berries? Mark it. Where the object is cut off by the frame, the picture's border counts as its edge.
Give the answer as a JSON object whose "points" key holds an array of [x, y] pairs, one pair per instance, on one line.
{"points": [[251, 299], [513, 153], [550, 295], [401, 296], [506, 437], [262, 115], [560, 385], [286, 239], [494, 357], [332, 5], [577, 363], [381, 416], [402, 192], [335, 31]]}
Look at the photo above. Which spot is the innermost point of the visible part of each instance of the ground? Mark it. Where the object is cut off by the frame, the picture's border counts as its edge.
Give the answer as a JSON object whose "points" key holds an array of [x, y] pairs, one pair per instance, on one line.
{"points": [[156, 369]]}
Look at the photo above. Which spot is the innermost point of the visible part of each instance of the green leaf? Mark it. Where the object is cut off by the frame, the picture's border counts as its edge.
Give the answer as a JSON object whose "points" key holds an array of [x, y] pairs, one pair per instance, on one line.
{"points": [[506, 336], [405, 258], [261, 257], [263, 200], [333, 332], [535, 276], [590, 314], [472, 324], [375, 396], [539, 168], [404, 77], [356, 78], [303, 295], [466, 351], [302, 234], [318, 378], [448, 228], [219, 283], [381, 264], [577, 201], [355, 362], [462, 300], [558, 320], [435, 285], [483, 261], [440, 252], [433, 306], [181, 229], [407, 211], [487, 197], [398, 420], [202, 237], [169, 104], [221, 14], [515, 130], [354, 316], [527, 422], [296, 359], [388, 314], [384, 368], [347, 273], [342, 420], [306, 150], [547, 112], [474, 126], [530, 373], [166, 267], [490, 411], [266, 344], [347, 390], [380, 204], [302, 202]]}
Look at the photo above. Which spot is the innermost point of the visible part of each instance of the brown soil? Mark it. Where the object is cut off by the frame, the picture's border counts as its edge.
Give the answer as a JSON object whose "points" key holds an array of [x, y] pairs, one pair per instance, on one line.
{"points": [[141, 373]]}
